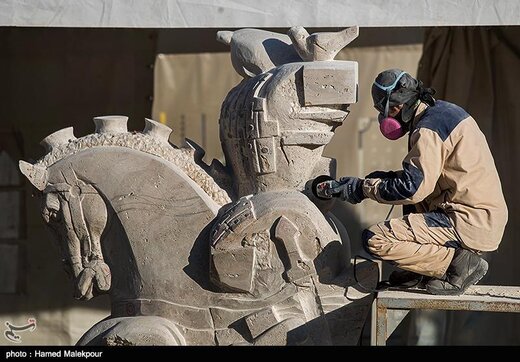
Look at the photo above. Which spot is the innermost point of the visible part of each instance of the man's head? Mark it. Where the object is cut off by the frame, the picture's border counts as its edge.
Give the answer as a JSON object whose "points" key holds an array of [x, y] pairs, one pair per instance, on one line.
{"points": [[394, 90], [396, 95]]}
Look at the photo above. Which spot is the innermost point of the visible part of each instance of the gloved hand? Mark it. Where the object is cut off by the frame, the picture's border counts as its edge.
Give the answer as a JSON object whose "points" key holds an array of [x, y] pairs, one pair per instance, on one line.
{"points": [[323, 189], [348, 189], [382, 174]]}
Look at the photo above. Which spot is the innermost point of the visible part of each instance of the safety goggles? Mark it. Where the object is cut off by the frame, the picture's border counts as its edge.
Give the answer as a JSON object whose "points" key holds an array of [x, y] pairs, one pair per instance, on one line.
{"points": [[388, 89]]}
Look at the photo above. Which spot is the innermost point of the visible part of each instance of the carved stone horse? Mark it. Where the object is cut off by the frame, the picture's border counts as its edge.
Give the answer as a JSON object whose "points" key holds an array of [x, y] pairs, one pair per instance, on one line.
{"points": [[133, 216], [185, 261]]}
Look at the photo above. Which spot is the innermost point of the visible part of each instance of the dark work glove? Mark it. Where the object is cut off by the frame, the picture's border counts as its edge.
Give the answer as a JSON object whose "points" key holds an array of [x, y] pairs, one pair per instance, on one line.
{"points": [[323, 189], [382, 174], [349, 189]]}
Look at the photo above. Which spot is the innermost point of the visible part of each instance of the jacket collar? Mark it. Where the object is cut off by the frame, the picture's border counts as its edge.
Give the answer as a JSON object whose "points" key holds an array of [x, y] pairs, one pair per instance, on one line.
{"points": [[418, 113]]}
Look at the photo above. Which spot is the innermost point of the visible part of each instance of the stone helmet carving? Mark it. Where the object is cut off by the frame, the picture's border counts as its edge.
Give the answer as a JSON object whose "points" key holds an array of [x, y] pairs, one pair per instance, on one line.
{"points": [[274, 125]]}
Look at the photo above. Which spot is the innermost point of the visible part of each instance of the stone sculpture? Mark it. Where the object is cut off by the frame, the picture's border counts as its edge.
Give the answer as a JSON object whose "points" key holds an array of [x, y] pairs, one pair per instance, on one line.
{"points": [[201, 254]]}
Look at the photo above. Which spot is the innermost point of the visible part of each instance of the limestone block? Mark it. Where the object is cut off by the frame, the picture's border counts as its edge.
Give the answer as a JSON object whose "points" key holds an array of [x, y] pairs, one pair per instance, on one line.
{"points": [[330, 83]]}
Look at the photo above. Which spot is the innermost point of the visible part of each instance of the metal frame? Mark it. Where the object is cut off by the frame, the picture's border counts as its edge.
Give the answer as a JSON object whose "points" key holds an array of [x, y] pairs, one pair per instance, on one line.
{"points": [[390, 307]]}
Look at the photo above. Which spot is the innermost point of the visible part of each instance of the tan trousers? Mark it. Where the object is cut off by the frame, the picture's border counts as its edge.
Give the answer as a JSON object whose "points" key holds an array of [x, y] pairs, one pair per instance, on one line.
{"points": [[421, 243]]}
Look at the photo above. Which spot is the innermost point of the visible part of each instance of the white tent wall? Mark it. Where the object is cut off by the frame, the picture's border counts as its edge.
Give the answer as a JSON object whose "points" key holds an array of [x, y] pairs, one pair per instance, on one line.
{"points": [[253, 13]]}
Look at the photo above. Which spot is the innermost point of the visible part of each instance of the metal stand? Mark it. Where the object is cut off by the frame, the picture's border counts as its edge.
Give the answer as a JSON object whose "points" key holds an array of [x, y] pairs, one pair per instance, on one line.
{"points": [[390, 307]]}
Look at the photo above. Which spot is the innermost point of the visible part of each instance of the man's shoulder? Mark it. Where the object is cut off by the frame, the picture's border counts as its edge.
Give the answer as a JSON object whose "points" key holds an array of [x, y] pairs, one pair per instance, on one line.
{"points": [[442, 118]]}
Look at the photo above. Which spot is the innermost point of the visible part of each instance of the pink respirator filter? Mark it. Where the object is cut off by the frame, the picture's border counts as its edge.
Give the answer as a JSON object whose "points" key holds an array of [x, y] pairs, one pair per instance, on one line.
{"points": [[391, 128]]}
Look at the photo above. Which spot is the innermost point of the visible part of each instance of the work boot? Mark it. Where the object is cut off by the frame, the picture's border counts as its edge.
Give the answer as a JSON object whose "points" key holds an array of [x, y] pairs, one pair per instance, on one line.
{"points": [[466, 269], [406, 279]]}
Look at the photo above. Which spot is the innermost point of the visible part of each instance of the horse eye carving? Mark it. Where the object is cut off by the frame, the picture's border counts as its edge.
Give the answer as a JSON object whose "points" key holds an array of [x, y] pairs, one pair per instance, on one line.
{"points": [[51, 215], [51, 208], [54, 215]]}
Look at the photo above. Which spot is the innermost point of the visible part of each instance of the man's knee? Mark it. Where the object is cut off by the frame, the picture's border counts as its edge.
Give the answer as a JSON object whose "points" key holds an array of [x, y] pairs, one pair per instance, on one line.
{"points": [[367, 240], [375, 243]]}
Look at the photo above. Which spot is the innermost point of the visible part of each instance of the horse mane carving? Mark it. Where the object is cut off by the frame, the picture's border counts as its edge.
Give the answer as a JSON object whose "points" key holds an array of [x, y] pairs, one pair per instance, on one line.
{"points": [[153, 140]]}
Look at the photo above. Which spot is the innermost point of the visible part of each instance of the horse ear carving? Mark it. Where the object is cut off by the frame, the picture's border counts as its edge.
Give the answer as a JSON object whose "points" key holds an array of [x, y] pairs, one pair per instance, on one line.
{"points": [[37, 175], [159, 131], [58, 138]]}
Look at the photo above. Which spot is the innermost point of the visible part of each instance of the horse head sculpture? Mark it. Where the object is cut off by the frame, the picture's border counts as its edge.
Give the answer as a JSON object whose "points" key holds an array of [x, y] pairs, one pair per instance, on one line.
{"points": [[97, 187]]}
